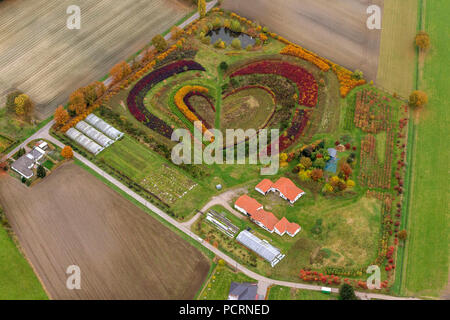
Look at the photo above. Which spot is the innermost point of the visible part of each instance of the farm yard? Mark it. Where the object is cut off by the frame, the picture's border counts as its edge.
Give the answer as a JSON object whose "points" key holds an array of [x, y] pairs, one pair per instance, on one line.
{"points": [[40, 56], [123, 253]]}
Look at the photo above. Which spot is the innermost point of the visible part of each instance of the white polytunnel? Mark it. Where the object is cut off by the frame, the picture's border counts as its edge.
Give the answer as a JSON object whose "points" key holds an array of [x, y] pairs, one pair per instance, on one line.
{"points": [[94, 134], [84, 141], [104, 127]]}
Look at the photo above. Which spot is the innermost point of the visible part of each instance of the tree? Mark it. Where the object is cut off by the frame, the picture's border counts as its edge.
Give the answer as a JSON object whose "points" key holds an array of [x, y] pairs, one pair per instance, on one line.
{"points": [[10, 98], [24, 106], [418, 99], [306, 162], [77, 101], [423, 40], [176, 33], [350, 183], [159, 43], [319, 163], [317, 174], [67, 152], [346, 169], [41, 172], [346, 292], [201, 8], [120, 71], [402, 235], [61, 116], [236, 43]]}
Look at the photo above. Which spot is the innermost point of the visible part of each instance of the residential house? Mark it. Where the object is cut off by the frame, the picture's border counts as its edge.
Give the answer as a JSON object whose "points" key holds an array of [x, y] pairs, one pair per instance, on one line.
{"points": [[24, 165], [243, 291]]}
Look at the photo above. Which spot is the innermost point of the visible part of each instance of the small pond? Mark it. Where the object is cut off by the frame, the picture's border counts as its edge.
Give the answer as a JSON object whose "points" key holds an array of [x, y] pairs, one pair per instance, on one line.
{"points": [[227, 36]]}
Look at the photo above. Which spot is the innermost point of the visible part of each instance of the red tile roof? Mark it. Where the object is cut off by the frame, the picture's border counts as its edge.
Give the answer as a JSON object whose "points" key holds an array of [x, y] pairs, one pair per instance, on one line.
{"points": [[288, 188], [268, 219], [284, 225], [247, 203], [264, 185]]}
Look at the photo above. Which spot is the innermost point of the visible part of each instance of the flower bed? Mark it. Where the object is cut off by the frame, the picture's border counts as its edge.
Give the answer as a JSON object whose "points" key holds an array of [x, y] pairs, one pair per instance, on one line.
{"points": [[298, 125], [304, 80], [372, 113], [373, 174], [187, 102], [188, 113], [299, 52], [136, 97]]}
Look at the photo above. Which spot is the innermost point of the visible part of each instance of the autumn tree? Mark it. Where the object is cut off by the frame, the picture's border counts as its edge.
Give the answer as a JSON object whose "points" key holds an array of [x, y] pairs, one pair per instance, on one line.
{"points": [[176, 33], [23, 105], [159, 43], [346, 169], [402, 235], [201, 8], [67, 152], [77, 102], [316, 174], [61, 116], [120, 71], [418, 99], [10, 98], [423, 40], [306, 162]]}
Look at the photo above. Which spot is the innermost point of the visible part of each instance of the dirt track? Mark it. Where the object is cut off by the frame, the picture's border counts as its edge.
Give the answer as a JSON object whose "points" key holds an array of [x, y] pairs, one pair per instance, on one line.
{"points": [[40, 56], [335, 29], [73, 218]]}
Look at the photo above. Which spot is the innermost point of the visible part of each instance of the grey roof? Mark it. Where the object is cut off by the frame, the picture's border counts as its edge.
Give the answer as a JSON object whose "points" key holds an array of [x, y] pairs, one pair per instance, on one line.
{"points": [[23, 166], [94, 134], [261, 247], [243, 291], [84, 141], [104, 127]]}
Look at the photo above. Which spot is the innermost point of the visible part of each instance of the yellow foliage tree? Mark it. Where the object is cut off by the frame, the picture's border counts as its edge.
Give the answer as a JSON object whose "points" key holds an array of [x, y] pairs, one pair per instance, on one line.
{"points": [[202, 8], [23, 105], [418, 99]]}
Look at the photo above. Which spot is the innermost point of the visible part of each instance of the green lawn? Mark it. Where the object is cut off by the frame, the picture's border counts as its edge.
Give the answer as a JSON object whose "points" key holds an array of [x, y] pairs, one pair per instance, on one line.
{"points": [[218, 286], [426, 270], [17, 279], [285, 293]]}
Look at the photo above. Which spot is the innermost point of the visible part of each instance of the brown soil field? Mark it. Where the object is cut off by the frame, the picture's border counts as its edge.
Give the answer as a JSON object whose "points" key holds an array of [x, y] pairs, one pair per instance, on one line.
{"points": [[72, 218], [42, 57], [334, 29]]}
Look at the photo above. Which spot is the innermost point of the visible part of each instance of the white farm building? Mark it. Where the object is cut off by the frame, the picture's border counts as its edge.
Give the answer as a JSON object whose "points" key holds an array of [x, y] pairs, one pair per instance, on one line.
{"points": [[104, 127]]}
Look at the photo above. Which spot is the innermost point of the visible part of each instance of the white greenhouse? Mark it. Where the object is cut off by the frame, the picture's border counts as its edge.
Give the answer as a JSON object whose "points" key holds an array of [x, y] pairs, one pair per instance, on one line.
{"points": [[261, 247], [94, 134], [84, 141], [104, 127]]}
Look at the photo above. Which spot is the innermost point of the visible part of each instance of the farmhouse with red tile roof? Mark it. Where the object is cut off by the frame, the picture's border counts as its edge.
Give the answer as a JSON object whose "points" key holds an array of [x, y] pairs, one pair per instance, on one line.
{"points": [[263, 218], [247, 205], [264, 186], [287, 189], [284, 226]]}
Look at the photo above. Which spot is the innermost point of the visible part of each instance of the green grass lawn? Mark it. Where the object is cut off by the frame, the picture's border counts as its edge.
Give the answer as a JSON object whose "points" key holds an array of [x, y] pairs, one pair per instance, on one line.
{"points": [[426, 270], [218, 286], [285, 293], [17, 279]]}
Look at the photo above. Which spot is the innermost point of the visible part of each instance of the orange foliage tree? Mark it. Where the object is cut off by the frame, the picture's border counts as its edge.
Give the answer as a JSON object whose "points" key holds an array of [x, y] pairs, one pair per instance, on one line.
{"points": [[67, 152], [120, 71], [61, 116]]}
